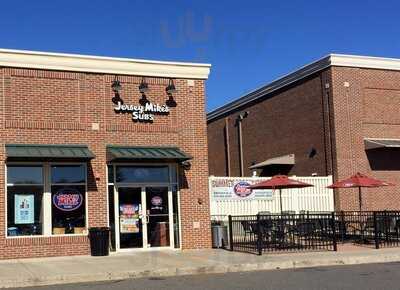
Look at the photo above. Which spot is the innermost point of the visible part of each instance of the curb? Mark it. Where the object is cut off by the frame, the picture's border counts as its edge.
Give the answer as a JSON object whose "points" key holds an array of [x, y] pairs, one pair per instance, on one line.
{"points": [[216, 269]]}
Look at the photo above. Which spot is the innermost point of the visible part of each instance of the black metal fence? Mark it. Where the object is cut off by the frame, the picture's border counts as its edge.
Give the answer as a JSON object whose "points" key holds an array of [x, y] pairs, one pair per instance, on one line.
{"points": [[377, 228], [313, 231], [291, 232]]}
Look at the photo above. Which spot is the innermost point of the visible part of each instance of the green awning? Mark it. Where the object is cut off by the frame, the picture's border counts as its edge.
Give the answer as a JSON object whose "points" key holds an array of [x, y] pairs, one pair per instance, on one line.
{"points": [[126, 153], [48, 152]]}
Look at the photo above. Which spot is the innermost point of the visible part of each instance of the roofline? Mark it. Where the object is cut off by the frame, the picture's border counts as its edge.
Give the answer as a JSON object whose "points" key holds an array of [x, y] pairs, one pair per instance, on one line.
{"points": [[134, 146], [101, 64], [45, 145], [341, 60]]}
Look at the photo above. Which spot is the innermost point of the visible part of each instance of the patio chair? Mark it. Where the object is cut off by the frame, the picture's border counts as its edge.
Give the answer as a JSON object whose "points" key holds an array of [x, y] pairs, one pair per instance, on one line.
{"points": [[249, 229], [305, 229], [304, 232], [277, 234], [266, 226], [341, 229]]}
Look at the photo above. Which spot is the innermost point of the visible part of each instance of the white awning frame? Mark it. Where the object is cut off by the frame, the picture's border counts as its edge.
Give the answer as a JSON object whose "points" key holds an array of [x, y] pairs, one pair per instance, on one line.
{"points": [[375, 143], [280, 160]]}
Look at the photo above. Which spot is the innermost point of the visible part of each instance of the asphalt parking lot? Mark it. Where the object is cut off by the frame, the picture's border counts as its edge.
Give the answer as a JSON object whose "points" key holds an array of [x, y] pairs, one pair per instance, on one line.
{"points": [[366, 277]]}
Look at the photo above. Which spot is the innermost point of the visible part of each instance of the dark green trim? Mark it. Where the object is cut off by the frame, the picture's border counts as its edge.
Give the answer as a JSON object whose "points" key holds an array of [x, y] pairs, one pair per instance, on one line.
{"points": [[46, 152], [125, 153]]}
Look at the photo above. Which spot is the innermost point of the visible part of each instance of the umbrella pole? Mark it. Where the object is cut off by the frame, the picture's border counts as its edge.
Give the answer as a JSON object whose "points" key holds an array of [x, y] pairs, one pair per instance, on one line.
{"points": [[359, 198], [280, 199]]}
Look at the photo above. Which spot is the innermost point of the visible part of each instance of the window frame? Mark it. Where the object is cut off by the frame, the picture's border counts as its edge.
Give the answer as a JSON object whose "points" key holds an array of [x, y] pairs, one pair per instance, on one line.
{"points": [[6, 185], [141, 165], [47, 198]]}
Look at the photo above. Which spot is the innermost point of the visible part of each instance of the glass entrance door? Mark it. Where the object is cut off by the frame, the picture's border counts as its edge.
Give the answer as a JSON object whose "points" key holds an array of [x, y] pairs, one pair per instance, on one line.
{"points": [[158, 217], [130, 217], [144, 216]]}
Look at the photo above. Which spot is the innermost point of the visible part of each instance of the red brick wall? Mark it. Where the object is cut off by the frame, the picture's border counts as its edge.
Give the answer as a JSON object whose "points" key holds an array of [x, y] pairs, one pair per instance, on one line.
{"points": [[368, 107], [49, 107], [217, 154], [335, 124], [290, 121]]}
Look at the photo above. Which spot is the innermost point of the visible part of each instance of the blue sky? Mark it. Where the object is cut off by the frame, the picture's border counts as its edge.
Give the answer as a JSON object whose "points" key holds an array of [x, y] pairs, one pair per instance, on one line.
{"points": [[249, 43]]}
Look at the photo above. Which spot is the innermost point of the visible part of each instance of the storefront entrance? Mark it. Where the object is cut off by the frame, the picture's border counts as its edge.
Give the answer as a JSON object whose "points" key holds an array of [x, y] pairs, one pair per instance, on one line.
{"points": [[143, 215]]}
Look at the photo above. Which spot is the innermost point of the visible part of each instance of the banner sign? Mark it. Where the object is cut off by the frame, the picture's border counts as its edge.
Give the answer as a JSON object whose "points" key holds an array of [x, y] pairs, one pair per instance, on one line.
{"points": [[237, 189], [24, 209], [67, 199], [129, 218]]}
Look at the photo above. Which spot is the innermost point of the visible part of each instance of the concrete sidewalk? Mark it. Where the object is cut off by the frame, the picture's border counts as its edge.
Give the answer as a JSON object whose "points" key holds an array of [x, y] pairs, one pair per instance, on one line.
{"points": [[47, 271]]}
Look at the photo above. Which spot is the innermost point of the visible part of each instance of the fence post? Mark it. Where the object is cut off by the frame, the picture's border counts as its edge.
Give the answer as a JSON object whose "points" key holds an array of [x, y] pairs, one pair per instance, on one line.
{"points": [[259, 236], [386, 224], [342, 226], [376, 237], [334, 232], [230, 233]]}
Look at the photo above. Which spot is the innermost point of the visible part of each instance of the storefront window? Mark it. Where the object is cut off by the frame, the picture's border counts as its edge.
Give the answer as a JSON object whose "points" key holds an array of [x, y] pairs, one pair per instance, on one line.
{"points": [[68, 194], [137, 174], [25, 175], [24, 200], [68, 174]]}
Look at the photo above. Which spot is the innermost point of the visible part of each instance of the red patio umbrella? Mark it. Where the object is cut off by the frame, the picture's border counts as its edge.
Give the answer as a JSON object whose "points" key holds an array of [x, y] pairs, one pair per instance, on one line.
{"points": [[358, 181], [280, 182]]}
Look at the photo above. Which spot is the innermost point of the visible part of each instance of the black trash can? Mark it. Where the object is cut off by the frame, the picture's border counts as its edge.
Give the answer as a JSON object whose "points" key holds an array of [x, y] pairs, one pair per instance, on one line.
{"points": [[99, 241]]}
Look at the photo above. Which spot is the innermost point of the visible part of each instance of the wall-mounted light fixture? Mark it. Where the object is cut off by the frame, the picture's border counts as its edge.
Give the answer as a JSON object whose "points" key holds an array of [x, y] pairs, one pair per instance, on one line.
{"points": [[116, 85], [312, 152], [186, 165], [143, 87], [170, 89], [243, 115], [143, 100]]}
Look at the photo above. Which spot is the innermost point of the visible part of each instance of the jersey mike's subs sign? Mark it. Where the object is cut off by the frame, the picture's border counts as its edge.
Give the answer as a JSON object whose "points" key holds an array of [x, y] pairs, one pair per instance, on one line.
{"points": [[142, 113], [67, 199]]}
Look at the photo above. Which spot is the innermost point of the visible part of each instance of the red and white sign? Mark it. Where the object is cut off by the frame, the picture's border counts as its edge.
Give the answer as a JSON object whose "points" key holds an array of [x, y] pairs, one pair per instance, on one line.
{"points": [[67, 199]]}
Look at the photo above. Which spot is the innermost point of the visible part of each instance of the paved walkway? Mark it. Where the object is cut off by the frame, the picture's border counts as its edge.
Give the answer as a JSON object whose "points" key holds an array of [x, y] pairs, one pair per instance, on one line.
{"points": [[48, 271]]}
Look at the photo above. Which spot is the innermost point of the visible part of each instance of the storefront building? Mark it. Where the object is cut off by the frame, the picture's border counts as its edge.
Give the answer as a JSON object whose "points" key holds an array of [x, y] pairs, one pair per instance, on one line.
{"points": [[336, 116], [94, 141]]}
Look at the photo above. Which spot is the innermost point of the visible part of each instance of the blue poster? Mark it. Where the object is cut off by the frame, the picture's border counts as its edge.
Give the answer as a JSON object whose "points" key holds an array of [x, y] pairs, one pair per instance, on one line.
{"points": [[24, 209]]}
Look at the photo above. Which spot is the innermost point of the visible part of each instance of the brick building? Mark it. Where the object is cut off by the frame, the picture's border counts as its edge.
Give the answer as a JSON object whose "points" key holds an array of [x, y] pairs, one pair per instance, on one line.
{"points": [[336, 116], [83, 146]]}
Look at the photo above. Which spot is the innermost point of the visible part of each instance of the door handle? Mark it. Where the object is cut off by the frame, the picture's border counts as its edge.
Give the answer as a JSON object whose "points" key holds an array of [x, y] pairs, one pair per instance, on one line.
{"points": [[147, 219]]}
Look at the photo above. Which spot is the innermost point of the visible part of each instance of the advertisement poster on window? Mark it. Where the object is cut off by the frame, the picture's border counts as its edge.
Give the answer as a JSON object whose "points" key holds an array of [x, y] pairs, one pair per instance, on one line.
{"points": [[129, 218], [24, 209], [67, 199], [156, 203], [237, 189]]}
